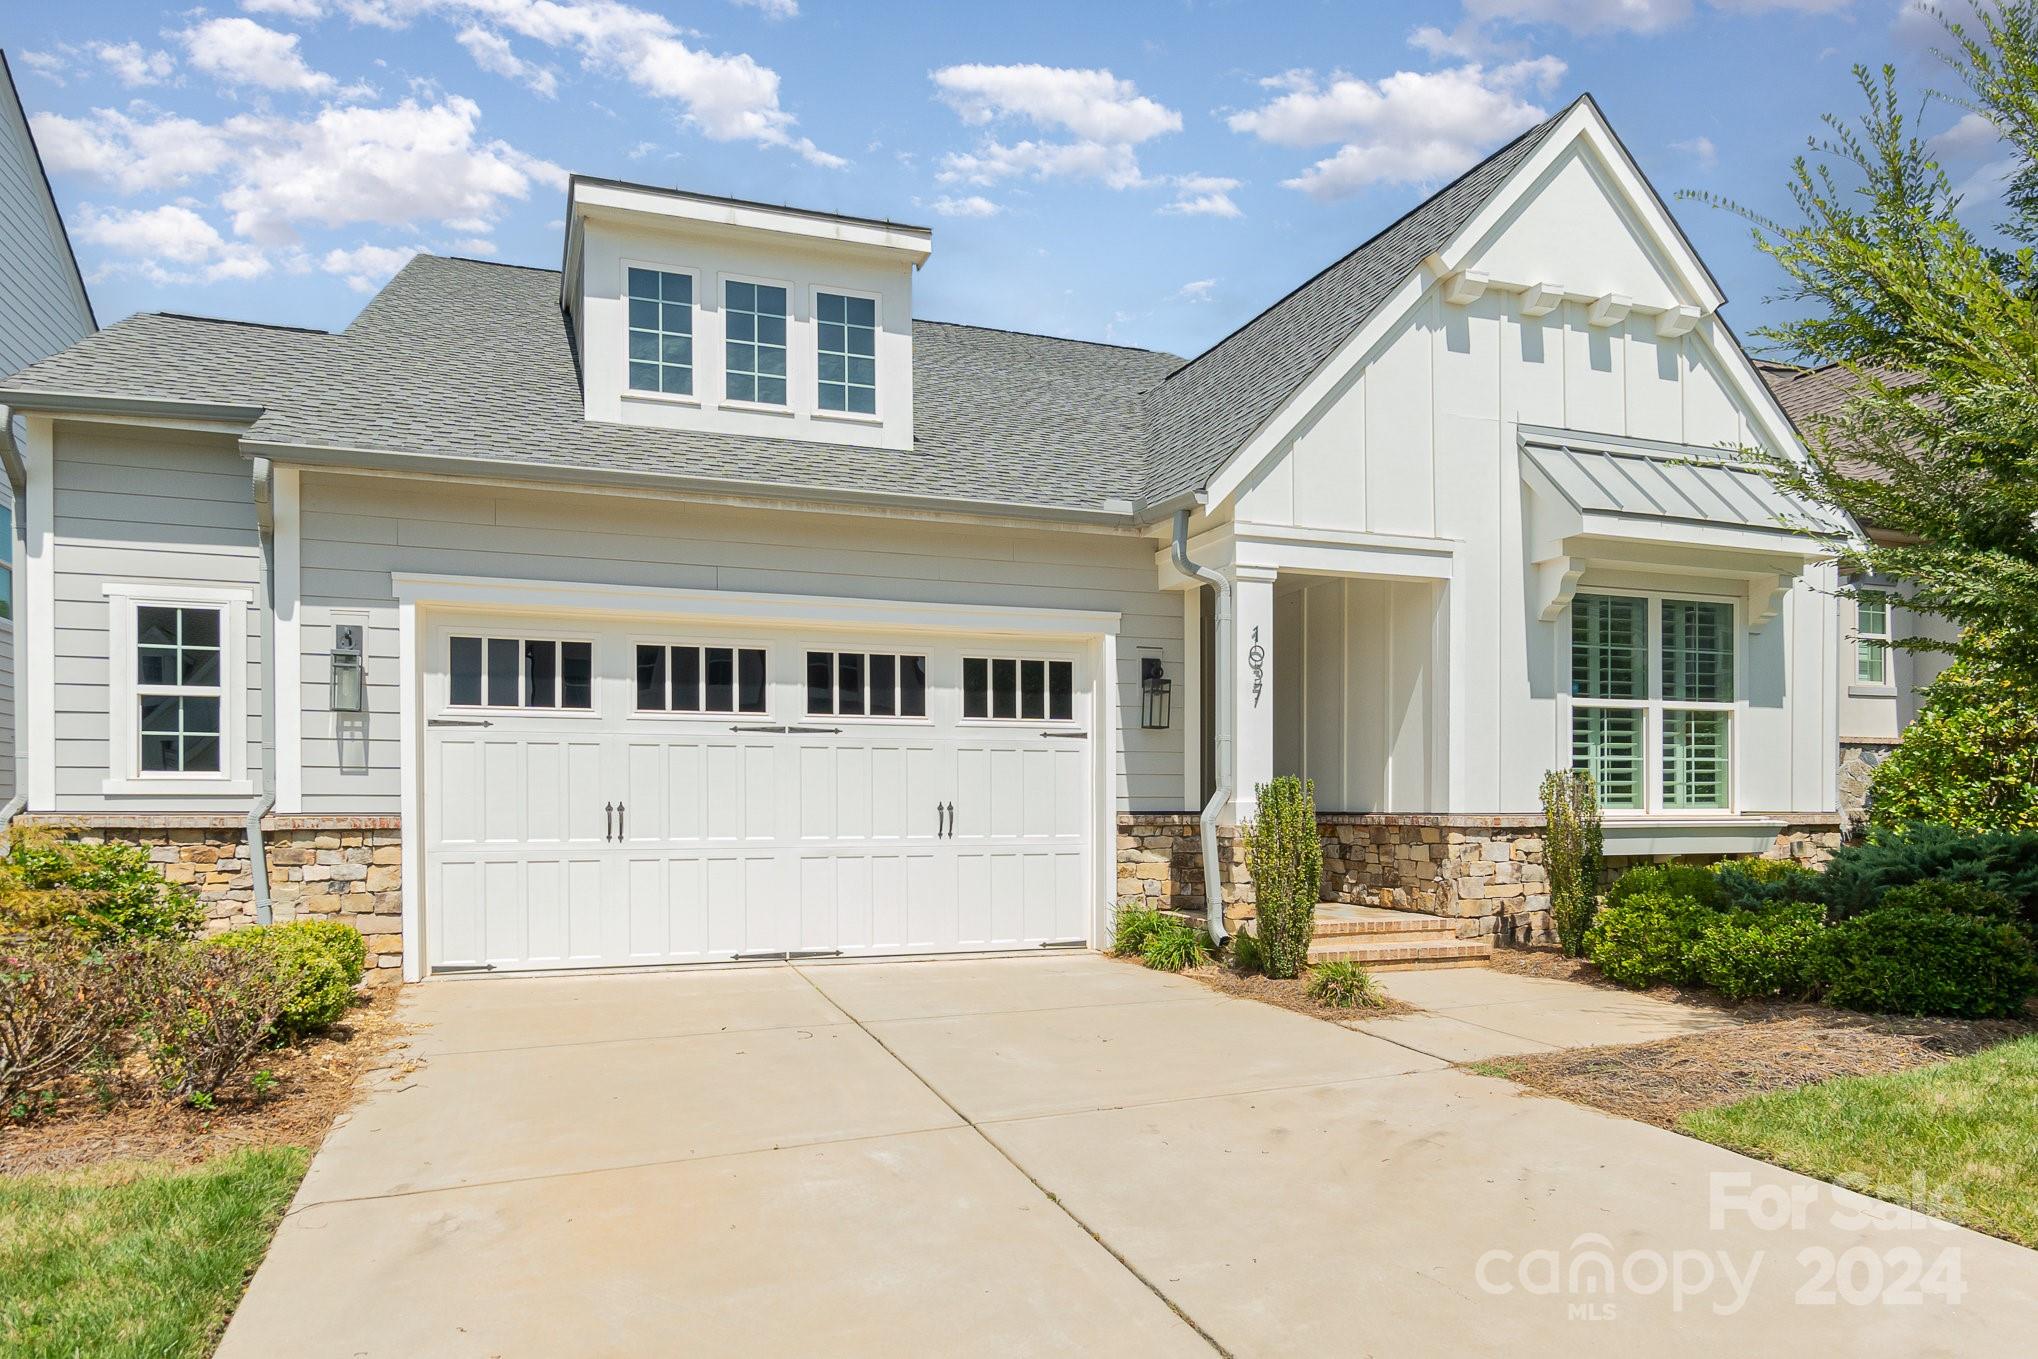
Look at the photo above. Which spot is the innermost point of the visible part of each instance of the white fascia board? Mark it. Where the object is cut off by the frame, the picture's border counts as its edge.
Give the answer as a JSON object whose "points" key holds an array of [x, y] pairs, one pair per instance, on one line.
{"points": [[822, 611], [620, 203]]}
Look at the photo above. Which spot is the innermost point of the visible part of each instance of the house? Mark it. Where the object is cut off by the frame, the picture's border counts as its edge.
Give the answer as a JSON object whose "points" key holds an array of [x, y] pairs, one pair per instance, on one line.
{"points": [[1881, 686], [699, 601], [43, 308]]}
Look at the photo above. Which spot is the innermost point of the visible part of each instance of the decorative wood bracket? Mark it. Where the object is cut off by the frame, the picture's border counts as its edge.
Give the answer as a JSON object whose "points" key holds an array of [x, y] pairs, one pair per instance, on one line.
{"points": [[1540, 299], [1675, 321], [1609, 310], [1465, 287]]}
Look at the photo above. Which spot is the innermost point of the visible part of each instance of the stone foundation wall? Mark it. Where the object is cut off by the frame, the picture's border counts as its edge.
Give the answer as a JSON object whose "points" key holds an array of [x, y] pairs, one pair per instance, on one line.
{"points": [[1858, 759], [1485, 872], [332, 868]]}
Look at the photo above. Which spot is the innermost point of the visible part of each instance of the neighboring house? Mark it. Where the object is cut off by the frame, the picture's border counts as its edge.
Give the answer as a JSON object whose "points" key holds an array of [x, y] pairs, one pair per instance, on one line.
{"points": [[43, 308], [699, 601], [1880, 686]]}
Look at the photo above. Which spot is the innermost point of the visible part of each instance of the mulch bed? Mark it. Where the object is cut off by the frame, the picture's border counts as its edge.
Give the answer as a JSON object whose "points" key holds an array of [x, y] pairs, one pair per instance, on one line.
{"points": [[1778, 1045], [117, 1119], [1289, 995]]}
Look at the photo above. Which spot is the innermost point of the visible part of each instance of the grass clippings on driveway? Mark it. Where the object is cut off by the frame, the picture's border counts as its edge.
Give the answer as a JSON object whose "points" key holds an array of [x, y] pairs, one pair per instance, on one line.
{"points": [[1959, 1137], [135, 1260], [1662, 1081], [315, 1082]]}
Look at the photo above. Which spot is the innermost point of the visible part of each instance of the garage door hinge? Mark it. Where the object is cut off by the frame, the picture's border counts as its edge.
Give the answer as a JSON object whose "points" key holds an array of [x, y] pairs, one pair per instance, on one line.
{"points": [[1068, 735], [782, 956], [1066, 943], [464, 967], [764, 730], [811, 731], [456, 722]]}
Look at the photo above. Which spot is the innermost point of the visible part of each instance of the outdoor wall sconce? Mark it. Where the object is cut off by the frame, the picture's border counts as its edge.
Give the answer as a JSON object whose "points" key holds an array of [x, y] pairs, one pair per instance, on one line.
{"points": [[1156, 694], [349, 680]]}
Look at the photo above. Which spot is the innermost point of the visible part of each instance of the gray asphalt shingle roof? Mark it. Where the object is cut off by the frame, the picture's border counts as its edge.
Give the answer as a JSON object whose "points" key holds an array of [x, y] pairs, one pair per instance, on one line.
{"points": [[472, 360]]}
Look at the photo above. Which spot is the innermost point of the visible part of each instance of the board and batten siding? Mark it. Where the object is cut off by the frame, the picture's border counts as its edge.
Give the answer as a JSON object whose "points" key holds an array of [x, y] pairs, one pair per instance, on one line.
{"points": [[1421, 441], [357, 529], [142, 507]]}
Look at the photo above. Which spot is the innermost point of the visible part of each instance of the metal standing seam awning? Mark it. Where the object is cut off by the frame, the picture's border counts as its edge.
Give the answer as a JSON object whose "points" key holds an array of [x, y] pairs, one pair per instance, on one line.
{"points": [[1601, 501]]}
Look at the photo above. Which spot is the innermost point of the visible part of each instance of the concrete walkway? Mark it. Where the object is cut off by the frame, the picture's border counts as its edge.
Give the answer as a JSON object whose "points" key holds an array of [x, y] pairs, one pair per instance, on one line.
{"points": [[1470, 1014], [1044, 1155]]}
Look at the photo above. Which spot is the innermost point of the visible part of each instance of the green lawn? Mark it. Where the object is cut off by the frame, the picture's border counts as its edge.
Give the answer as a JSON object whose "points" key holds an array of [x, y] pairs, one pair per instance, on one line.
{"points": [[1968, 1126], [135, 1260]]}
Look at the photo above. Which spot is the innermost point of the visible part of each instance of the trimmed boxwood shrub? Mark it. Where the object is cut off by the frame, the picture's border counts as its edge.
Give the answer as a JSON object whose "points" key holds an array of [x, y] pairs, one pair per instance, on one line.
{"points": [[2004, 861], [1749, 954], [1902, 960], [317, 964], [1959, 896], [1646, 939], [1689, 881]]}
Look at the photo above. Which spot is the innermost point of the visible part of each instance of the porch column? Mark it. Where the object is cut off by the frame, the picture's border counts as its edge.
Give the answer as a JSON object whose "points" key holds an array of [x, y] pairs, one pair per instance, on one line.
{"points": [[1252, 692]]}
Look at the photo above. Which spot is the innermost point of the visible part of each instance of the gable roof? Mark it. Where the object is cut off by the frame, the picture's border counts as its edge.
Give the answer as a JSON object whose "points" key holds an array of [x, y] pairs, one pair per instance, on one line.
{"points": [[1209, 408], [28, 194]]}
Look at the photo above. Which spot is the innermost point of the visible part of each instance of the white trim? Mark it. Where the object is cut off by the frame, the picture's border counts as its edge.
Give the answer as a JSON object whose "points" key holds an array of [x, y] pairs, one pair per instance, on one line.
{"points": [[623, 202], [819, 611], [624, 266], [288, 695], [410, 710], [1104, 724], [36, 663], [124, 778], [722, 400], [1192, 697]]}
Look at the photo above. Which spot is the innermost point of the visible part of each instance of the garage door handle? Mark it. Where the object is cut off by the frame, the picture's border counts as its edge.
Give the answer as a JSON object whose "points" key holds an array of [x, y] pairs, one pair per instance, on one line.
{"points": [[621, 834], [608, 811]]}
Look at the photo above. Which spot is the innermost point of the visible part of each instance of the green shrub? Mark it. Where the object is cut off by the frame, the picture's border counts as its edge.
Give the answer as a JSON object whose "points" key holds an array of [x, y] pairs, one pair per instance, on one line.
{"points": [[2007, 862], [1246, 955], [318, 963], [1758, 884], [61, 1005], [1344, 985], [1689, 881], [1969, 760], [203, 1013], [1573, 854], [107, 892], [1130, 933], [1960, 896], [1748, 954], [1285, 855], [1646, 939], [1900, 960], [1176, 944]]}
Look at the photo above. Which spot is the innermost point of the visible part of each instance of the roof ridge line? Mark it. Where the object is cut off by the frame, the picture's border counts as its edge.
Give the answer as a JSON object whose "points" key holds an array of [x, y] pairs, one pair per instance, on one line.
{"points": [[1043, 335], [237, 321]]}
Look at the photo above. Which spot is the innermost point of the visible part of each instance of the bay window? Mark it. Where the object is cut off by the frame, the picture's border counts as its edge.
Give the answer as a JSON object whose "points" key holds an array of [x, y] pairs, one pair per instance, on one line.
{"points": [[1652, 700]]}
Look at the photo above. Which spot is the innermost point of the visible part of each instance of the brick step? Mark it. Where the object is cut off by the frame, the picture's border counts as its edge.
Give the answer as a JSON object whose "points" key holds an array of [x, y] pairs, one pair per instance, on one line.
{"points": [[1408, 922], [1397, 954]]}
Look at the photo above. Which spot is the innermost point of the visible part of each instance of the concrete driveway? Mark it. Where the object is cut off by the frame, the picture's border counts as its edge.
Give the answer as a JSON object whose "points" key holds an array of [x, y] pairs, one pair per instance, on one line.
{"points": [[1047, 1155]]}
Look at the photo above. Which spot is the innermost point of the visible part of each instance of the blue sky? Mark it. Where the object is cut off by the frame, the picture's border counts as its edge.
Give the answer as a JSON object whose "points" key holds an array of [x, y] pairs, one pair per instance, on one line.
{"points": [[1149, 173]]}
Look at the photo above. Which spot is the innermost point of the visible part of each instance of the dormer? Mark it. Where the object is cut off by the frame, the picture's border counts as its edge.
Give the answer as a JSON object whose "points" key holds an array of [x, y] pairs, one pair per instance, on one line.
{"points": [[712, 314]]}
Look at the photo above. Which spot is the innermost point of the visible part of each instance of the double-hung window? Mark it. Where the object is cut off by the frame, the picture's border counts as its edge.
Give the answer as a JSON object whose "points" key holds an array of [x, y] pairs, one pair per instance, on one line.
{"points": [[661, 331], [179, 687], [753, 322], [1871, 638], [846, 352], [1652, 701]]}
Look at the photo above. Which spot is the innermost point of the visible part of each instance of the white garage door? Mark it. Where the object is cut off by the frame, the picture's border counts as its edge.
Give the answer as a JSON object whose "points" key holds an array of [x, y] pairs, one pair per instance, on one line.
{"points": [[597, 796]]}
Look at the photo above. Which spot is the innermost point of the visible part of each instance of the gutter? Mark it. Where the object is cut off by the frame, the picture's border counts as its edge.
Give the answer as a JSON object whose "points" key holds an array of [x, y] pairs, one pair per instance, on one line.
{"points": [[1222, 682], [88, 403], [265, 790]]}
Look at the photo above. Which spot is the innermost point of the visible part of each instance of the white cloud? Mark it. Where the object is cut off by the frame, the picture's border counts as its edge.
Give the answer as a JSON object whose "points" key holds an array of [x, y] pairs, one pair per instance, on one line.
{"points": [[1196, 290], [491, 52], [391, 166], [131, 64], [367, 267], [1204, 196], [971, 205], [725, 98], [289, 9], [1699, 149], [1410, 127], [49, 65], [242, 52], [131, 154], [1972, 136], [1107, 119], [773, 9], [1622, 16], [172, 234]]}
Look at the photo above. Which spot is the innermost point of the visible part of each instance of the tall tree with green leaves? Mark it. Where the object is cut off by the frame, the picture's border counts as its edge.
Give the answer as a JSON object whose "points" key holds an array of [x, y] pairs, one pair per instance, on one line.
{"points": [[1938, 325]]}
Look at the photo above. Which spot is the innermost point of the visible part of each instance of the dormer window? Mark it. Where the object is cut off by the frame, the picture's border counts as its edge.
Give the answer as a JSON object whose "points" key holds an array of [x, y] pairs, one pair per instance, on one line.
{"points": [[847, 349], [753, 315], [661, 332]]}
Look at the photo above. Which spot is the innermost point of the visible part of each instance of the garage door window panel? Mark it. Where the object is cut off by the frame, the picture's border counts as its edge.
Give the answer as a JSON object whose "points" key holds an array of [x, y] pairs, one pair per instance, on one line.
{"points": [[866, 684], [520, 674], [710, 680], [1017, 689]]}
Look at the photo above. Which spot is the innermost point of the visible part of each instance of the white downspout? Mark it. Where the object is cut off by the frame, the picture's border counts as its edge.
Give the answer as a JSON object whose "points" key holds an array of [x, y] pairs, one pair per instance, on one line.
{"points": [[17, 553], [265, 791], [1221, 687]]}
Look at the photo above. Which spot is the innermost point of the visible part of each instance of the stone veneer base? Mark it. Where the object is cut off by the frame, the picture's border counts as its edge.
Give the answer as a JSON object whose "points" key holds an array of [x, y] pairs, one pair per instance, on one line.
{"points": [[1484, 872], [346, 868]]}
